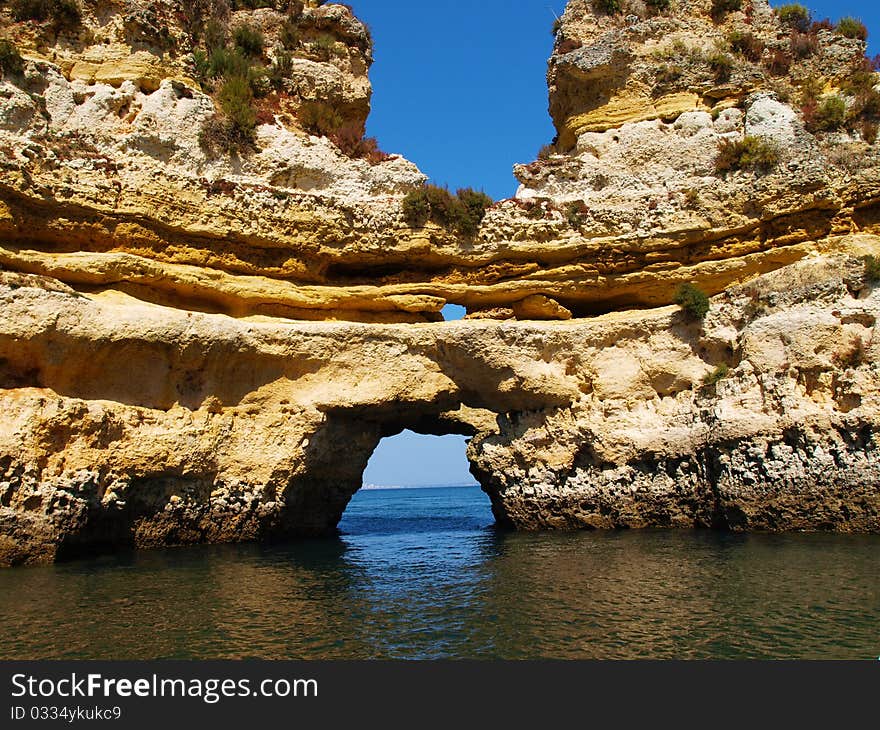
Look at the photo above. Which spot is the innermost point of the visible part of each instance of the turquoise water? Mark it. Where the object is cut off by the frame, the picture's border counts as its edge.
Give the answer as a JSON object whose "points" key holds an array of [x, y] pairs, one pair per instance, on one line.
{"points": [[421, 573]]}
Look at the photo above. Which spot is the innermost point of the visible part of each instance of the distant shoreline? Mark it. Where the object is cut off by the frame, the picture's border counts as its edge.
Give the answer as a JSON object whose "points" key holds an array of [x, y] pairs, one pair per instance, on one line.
{"points": [[380, 487]]}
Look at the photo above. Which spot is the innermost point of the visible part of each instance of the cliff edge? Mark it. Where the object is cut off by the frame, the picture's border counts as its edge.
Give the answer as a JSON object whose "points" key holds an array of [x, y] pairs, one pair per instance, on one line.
{"points": [[213, 286]]}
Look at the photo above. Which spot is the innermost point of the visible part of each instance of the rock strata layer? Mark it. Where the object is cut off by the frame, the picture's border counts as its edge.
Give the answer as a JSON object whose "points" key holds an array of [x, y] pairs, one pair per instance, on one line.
{"points": [[203, 346], [134, 424], [101, 157]]}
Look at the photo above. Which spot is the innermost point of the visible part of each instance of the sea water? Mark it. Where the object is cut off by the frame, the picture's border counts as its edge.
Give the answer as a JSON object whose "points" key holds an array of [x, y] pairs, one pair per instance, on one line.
{"points": [[424, 574]]}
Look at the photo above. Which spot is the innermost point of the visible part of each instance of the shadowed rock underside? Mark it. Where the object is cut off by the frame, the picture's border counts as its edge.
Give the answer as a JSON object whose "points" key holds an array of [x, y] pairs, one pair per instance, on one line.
{"points": [[203, 346]]}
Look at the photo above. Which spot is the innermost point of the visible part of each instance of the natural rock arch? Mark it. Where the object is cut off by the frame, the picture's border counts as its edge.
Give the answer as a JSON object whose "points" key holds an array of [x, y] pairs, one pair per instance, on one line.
{"points": [[339, 454], [179, 355], [595, 423]]}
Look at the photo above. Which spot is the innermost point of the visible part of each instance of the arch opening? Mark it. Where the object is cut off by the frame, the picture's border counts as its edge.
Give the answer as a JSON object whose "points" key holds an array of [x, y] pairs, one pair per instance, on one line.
{"points": [[416, 483], [422, 81]]}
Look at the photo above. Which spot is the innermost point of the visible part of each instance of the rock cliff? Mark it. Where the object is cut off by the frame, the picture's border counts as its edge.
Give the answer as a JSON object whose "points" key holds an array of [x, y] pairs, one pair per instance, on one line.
{"points": [[213, 286]]}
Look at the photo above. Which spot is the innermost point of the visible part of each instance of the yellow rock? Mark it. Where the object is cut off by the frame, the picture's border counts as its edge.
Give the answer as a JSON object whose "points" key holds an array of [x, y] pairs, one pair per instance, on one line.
{"points": [[416, 302], [537, 306], [143, 68], [627, 108], [82, 71]]}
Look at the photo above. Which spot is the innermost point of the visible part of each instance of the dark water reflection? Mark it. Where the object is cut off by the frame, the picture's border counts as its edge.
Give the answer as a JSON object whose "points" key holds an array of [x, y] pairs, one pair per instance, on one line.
{"points": [[422, 574]]}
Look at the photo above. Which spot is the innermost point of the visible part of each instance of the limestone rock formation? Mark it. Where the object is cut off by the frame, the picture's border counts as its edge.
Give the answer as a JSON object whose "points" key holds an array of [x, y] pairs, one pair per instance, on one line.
{"points": [[110, 159], [128, 423], [214, 304]]}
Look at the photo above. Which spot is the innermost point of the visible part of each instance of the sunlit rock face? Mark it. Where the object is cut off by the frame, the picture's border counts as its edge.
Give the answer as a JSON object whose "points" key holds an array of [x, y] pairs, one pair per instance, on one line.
{"points": [[203, 345], [128, 423]]}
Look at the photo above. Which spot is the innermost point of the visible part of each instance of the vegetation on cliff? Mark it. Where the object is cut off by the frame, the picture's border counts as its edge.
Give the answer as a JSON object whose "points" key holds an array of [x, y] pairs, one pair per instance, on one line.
{"points": [[230, 55], [717, 375], [11, 61], [589, 231], [461, 212], [797, 58], [692, 300], [748, 153], [59, 14]]}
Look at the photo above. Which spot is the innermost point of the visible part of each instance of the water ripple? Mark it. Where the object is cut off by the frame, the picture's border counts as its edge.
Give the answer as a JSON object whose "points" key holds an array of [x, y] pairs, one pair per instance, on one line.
{"points": [[423, 574]]}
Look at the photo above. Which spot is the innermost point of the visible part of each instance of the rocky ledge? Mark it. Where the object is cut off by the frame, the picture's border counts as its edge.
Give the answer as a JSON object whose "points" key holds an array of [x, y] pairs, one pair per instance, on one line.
{"points": [[213, 286]]}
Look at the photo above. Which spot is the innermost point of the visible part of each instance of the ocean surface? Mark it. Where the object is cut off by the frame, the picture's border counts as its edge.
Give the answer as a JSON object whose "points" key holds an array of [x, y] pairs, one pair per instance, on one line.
{"points": [[423, 574]]}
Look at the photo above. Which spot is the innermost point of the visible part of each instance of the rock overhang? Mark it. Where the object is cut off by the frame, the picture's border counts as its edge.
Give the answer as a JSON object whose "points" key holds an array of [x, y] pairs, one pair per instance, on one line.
{"points": [[198, 348]]}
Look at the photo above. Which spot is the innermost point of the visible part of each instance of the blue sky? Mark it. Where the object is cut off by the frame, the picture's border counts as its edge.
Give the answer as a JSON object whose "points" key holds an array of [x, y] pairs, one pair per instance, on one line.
{"points": [[459, 88], [414, 460]]}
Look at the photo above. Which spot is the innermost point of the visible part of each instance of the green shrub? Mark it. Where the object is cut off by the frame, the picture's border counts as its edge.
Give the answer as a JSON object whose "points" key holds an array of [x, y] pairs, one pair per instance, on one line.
{"points": [[829, 116], [720, 8], [440, 201], [811, 88], [721, 65], [319, 118], [215, 35], [658, 5], [233, 131], [416, 208], [289, 35], [281, 68], [692, 300], [249, 40], [236, 99], [746, 44], [748, 153], [860, 78], [11, 61], [795, 16], [474, 203], [716, 375], [201, 65], [324, 45], [872, 268], [557, 26], [608, 7], [576, 214], [225, 63], [64, 14], [852, 28], [443, 205], [463, 212]]}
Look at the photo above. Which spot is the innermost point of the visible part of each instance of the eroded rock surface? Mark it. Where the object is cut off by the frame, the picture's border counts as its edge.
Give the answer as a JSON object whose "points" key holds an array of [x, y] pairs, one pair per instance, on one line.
{"points": [[131, 423], [201, 345], [101, 155]]}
